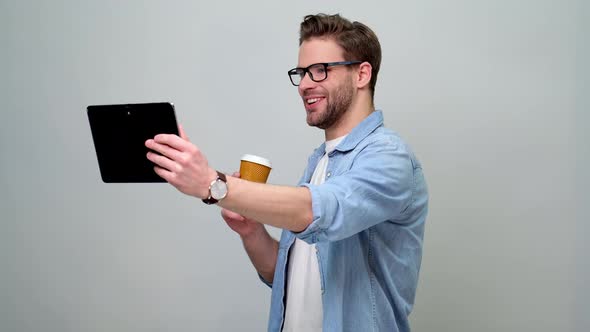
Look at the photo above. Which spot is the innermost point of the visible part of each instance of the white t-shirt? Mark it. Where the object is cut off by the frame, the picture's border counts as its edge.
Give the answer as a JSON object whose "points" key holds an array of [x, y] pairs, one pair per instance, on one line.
{"points": [[303, 311]]}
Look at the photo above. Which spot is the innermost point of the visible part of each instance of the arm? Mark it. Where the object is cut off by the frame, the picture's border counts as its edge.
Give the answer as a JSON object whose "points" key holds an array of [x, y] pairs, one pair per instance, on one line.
{"points": [[279, 206], [260, 246], [379, 186], [184, 166]]}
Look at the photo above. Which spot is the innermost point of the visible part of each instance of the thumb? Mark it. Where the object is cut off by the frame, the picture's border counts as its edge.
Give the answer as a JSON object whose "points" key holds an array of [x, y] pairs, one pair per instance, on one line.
{"points": [[230, 215], [182, 133]]}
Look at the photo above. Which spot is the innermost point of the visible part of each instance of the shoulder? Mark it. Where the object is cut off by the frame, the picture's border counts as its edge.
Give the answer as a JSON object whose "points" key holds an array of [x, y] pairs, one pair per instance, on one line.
{"points": [[385, 138], [386, 141]]}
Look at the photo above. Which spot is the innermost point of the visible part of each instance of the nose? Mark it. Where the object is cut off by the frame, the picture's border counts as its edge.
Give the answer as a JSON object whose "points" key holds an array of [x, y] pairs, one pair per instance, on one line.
{"points": [[306, 83]]}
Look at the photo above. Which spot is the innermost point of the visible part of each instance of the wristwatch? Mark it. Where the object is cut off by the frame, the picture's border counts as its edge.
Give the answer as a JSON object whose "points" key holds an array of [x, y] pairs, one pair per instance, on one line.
{"points": [[217, 189]]}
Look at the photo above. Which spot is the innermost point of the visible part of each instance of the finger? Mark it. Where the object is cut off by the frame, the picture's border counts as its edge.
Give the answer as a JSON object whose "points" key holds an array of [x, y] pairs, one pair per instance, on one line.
{"points": [[163, 149], [162, 161], [230, 214], [173, 141], [163, 173], [227, 214], [236, 174], [182, 133]]}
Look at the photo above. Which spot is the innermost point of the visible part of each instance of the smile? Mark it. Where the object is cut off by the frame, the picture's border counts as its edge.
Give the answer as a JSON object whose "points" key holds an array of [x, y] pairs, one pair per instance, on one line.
{"points": [[312, 100]]}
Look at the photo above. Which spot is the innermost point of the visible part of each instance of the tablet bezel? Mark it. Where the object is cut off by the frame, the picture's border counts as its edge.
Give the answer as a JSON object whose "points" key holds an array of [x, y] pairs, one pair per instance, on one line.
{"points": [[119, 132]]}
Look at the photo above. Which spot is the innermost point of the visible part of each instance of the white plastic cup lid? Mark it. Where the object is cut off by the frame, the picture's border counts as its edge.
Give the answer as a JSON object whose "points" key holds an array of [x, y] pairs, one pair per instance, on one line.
{"points": [[256, 159]]}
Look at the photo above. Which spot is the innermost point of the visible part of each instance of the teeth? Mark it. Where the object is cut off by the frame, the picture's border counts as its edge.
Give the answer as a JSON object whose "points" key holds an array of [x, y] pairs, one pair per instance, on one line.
{"points": [[313, 100]]}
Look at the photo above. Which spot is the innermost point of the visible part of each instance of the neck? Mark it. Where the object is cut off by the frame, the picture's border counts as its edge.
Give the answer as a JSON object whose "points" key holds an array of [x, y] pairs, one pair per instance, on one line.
{"points": [[358, 111]]}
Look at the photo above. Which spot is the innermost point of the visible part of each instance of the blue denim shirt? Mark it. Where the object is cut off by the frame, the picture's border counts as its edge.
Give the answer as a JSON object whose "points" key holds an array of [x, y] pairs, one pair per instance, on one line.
{"points": [[368, 226]]}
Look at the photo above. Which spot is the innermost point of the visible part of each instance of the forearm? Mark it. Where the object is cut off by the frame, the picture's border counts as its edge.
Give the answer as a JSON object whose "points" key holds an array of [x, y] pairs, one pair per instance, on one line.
{"points": [[183, 165], [280, 206], [262, 250]]}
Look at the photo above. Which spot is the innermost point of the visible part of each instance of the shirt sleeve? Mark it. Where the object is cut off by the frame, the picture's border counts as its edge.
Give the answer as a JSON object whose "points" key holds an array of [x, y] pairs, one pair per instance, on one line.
{"points": [[377, 187]]}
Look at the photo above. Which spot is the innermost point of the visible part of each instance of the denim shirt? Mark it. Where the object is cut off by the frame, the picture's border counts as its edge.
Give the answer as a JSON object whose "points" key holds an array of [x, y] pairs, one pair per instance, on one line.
{"points": [[368, 227]]}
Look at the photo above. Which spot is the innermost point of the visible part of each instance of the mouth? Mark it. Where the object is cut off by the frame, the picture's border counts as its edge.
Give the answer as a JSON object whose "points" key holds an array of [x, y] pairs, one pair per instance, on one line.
{"points": [[312, 102]]}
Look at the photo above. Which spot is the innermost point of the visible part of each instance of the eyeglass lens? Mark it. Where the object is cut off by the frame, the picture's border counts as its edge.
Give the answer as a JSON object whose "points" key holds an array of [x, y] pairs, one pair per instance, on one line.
{"points": [[316, 72]]}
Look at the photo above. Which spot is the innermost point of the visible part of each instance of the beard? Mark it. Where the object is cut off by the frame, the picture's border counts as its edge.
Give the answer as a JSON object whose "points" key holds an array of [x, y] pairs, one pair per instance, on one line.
{"points": [[338, 104]]}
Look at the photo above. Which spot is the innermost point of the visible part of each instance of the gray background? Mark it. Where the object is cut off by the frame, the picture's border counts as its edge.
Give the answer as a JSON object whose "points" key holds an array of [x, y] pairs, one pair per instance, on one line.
{"points": [[490, 94]]}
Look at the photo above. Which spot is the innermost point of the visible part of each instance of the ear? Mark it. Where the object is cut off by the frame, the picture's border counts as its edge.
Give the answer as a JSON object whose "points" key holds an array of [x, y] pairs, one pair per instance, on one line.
{"points": [[364, 75]]}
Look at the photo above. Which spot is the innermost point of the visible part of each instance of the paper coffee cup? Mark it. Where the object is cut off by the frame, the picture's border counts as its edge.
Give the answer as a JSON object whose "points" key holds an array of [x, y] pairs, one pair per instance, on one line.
{"points": [[254, 168]]}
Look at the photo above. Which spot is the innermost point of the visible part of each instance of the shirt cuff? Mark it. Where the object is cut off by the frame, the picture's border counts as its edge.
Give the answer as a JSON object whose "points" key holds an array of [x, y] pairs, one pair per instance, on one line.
{"points": [[310, 234]]}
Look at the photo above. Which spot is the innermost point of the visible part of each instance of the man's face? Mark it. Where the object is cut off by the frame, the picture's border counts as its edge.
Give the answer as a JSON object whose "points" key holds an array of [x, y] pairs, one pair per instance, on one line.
{"points": [[325, 102]]}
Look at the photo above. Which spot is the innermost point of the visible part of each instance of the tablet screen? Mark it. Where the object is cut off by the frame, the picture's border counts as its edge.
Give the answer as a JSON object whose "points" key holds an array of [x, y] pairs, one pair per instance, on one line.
{"points": [[119, 133]]}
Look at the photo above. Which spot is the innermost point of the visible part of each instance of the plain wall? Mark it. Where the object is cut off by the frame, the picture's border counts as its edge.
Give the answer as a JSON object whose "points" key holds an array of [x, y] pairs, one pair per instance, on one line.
{"points": [[492, 96]]}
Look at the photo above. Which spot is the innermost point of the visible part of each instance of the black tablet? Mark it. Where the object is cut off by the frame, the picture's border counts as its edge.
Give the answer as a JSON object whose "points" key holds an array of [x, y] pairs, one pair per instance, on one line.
{"points": [[119, 133]]}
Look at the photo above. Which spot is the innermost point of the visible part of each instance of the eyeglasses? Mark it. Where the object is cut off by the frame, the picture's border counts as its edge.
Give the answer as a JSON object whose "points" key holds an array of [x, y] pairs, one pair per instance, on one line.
{"points": [[317, 72]]}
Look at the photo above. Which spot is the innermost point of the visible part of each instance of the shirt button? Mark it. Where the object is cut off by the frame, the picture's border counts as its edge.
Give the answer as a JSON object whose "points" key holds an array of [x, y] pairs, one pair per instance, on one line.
{"points": [[328, 175]]}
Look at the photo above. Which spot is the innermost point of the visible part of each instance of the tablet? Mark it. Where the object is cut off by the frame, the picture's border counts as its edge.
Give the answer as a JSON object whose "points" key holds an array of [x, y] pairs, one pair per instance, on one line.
{"points": [[119, 133]]}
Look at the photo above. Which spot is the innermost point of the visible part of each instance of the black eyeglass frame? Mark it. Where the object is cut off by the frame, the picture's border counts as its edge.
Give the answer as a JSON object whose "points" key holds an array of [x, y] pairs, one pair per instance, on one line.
{"points": [[294, 71]]}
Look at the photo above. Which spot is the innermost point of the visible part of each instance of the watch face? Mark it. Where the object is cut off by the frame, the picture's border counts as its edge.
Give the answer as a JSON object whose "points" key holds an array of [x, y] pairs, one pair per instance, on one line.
{"points": [[218, 189]]}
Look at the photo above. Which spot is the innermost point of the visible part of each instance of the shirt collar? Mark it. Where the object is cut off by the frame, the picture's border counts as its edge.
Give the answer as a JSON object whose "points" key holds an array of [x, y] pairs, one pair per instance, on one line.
{"points": [[361, 131], [356, 135], [332, 144]]}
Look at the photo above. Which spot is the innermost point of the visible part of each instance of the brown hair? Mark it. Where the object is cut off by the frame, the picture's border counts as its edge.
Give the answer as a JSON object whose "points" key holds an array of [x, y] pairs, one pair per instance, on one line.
{"points": [[357, 40]]}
